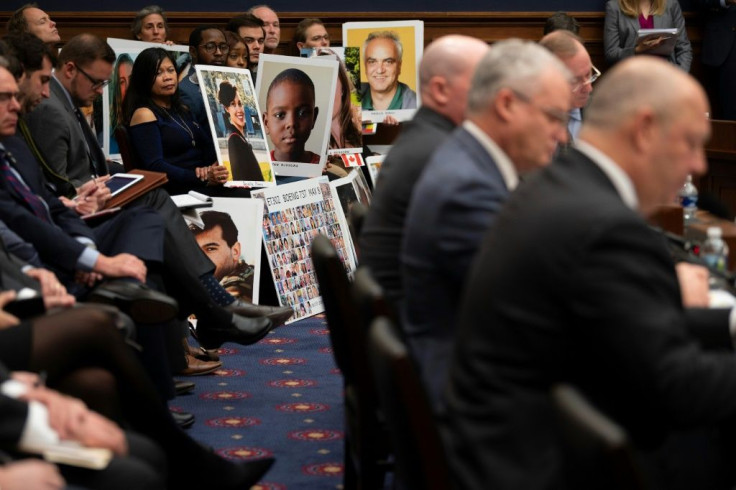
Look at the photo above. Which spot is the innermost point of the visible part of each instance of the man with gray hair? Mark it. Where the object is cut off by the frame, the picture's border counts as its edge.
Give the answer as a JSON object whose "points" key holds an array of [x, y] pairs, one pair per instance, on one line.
{"points": [[516, 115], [573, 286], [445, 72], [271, 26], [382, 56]]}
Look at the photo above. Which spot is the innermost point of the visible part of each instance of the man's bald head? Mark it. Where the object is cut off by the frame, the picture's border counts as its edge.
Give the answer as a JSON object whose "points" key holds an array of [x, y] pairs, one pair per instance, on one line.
{"points": [[650, 118], [445, 73]]}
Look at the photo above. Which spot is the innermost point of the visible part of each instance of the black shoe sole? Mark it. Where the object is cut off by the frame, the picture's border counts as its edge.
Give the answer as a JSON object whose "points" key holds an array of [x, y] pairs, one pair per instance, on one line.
{"points": [[141, 310]]}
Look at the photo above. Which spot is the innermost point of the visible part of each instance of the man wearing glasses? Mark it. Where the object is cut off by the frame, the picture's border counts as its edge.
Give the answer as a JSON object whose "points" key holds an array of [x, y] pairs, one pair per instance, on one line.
{"points": [[570, 50], [516, 115], [207, 46], [62, 134]]}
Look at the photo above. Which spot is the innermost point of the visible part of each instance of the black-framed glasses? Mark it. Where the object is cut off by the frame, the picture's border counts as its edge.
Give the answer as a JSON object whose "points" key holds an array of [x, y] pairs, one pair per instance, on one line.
{"points": [[210, 48], [590, 79], [96, 83], [554, 115]]}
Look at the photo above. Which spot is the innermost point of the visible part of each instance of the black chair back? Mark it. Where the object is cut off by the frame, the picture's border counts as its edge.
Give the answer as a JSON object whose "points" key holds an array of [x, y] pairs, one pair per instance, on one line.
{"points": [[127, 152], [421, 462], [597, 452]]}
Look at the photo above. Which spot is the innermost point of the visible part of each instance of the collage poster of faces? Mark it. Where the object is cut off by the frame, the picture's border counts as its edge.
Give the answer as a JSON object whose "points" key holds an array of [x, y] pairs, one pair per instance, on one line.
{"points": [[293, 215], [296, 96], [236, 125], [126, 51], [389, 67], [229, 234]]}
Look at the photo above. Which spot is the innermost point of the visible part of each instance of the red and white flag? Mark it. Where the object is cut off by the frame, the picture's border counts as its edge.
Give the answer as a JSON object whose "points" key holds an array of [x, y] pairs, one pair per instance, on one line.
{"points": [[353, 160]]}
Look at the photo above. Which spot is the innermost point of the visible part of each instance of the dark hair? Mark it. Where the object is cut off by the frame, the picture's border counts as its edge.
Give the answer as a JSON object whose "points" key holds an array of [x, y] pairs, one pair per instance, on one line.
{"points": [[223, 220], [9, 61], [226, 93], [245, 20], [300, 33], [17, 21], [561, 21], [293, 75], [137, 25], [29, 50], [84, 49], [196, 35], [116, 101], [145, 70], [351, 132], [232, 40]]}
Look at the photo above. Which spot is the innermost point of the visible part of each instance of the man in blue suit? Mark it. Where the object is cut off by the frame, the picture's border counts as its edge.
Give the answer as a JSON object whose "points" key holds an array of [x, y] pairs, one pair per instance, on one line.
{"points": [[517, 113]]}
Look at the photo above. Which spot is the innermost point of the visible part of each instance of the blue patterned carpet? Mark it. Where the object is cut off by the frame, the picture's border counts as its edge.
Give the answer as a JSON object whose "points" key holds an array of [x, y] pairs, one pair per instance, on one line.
{"points": [[281, 397]]}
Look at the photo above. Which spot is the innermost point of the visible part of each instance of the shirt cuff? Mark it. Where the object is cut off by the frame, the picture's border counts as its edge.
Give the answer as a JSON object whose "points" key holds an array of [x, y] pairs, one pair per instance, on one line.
{"points": [[37, 432], [88, 259]]}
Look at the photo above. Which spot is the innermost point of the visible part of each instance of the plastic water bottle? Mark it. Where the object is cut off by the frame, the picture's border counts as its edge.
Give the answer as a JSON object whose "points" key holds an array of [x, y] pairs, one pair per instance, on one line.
{"points": [[715, 251], [688, 199]]}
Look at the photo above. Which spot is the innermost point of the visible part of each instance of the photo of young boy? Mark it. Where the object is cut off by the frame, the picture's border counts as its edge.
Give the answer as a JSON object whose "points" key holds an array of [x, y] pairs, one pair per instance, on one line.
{"points": [[295, 95]]}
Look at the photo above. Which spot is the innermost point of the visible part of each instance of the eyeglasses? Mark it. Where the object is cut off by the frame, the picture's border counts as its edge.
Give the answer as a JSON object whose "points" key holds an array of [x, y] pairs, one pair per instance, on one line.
{"points": [[594, 75], [96, 83], [6, 97], [555, 116], [212, 47]]}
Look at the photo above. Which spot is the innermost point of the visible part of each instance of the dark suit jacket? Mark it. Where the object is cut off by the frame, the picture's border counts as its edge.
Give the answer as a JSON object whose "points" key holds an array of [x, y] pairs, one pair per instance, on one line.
{"points": [[380, 239], [620, 33], [60, 138], [572, 286], [719, 33], [453, 205], [13, 414]]}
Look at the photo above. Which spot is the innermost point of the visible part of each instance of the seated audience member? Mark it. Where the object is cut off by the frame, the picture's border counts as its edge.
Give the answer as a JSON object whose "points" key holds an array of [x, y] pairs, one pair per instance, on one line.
{"points": [[290, 116], [83, 354], [239, 55], [163, 132], [516, 115], [623, 20], [573, 286], [271, 26], [243, 162], [445, 72], [207, 46], [570, 50], [29, 18], [150, 25], [309, 33], [717, 55], [560, 20], [251, 29]]}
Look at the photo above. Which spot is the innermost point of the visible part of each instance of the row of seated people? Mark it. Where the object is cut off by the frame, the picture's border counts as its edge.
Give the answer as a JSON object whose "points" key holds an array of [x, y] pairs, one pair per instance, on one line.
{"points": [[518, 257]]}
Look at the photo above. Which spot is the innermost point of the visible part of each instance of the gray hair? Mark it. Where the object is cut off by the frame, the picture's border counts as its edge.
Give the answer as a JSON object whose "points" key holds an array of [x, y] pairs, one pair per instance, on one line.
{"points": [[390, 35], [514, 64], [137, 26]]}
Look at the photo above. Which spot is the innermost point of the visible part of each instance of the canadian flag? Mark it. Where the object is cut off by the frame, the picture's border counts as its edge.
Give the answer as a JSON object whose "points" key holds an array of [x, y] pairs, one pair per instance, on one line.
{"points": [[353, 160]]}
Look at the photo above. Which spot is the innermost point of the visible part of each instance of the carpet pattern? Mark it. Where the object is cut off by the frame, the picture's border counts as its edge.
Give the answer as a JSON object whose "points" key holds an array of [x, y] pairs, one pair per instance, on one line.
{"points": [[281, 397]]}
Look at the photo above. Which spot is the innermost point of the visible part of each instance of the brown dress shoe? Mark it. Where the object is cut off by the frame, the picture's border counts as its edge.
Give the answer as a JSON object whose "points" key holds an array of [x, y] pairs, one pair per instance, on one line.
{"points": [[196, 367], [201, 353]]}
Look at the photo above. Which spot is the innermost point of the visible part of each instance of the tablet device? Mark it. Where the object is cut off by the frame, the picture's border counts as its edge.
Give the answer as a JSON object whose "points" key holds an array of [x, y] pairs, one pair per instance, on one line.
{"points": [[119, 182]]}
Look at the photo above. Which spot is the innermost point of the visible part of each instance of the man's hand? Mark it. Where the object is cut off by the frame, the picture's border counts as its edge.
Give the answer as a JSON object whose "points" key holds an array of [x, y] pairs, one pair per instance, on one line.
{"points": [[97, 431], [92, 196], [66, 414], [121, 265], [54, 293], [88, 279], [694, 288], [6, 319], [30, 474]]}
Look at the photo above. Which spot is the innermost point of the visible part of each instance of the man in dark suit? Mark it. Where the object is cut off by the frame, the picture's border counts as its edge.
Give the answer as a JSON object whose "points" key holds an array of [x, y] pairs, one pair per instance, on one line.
{"points": [[571, 285], [444, 77], [517, 114], [719, 38]]}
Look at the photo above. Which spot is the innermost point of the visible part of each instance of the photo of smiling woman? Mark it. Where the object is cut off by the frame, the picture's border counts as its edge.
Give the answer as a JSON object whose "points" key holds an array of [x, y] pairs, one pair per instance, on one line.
{"points": [[243, 163]]}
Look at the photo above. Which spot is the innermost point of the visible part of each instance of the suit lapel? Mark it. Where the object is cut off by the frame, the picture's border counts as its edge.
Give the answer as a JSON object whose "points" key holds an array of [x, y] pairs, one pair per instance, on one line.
{"points": [[480, 156]]}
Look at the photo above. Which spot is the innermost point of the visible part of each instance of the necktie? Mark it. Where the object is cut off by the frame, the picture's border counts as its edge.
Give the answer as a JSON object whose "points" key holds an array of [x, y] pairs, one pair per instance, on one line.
{"points": [[97, 165], [34, 202]]}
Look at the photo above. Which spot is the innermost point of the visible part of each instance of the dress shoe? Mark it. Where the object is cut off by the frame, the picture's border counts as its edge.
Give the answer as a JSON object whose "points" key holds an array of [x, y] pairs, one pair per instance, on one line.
{"points": [[196, 367], [277, 314], [182, 387], [241, 330], [201, 353], [182, 419], [141, 303]]}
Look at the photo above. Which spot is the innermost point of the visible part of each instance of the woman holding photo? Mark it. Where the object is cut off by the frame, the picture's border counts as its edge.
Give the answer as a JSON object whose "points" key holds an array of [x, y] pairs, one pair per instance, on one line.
{"points": [[243, 163]]}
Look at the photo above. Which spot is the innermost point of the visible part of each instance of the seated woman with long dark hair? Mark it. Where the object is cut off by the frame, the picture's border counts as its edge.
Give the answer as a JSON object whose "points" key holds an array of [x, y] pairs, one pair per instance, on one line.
{"points": [[163, 131]]}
